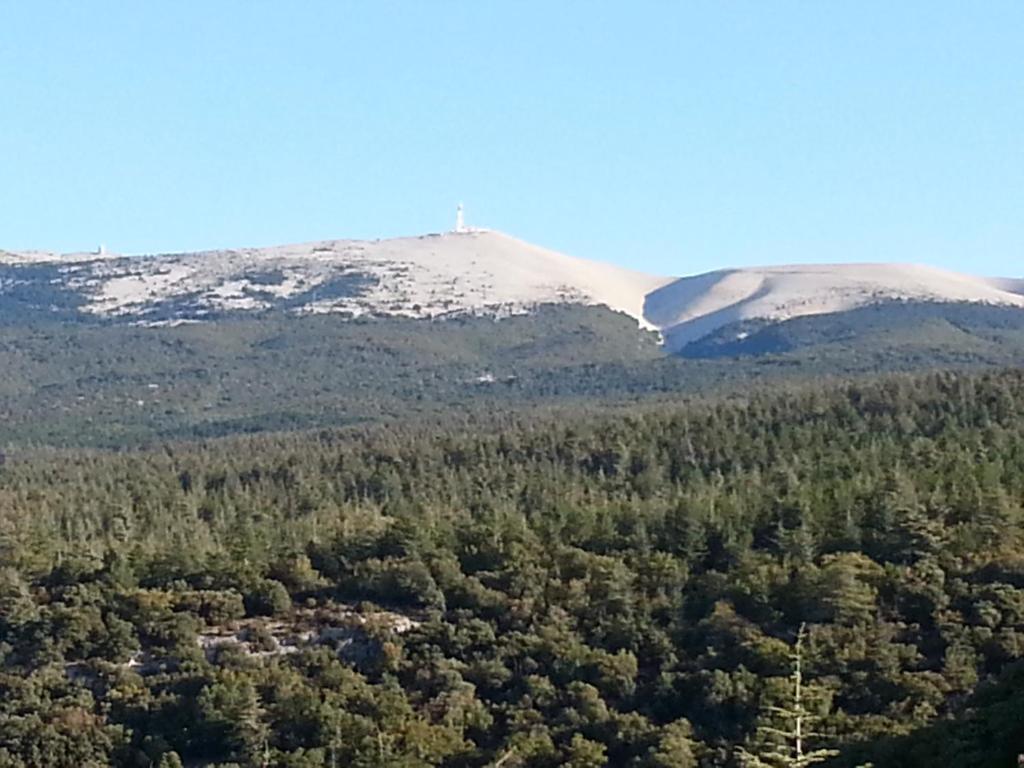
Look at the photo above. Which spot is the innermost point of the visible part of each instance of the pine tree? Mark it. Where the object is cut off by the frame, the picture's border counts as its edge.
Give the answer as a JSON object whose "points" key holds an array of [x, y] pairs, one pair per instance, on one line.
{"points": [[791, 753]]}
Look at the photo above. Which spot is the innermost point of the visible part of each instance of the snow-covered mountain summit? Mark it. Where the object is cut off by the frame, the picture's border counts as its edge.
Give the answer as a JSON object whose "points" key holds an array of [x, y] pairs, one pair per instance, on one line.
{"points": [[475, 271]]}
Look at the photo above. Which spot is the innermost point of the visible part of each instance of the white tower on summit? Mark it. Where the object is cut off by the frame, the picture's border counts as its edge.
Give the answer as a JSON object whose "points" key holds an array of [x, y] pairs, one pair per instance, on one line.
{"points": [[460, 219]]}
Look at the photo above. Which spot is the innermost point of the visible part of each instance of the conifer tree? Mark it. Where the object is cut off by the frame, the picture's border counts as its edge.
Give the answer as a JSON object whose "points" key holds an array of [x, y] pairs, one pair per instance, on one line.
{"points": [[792, 752]]}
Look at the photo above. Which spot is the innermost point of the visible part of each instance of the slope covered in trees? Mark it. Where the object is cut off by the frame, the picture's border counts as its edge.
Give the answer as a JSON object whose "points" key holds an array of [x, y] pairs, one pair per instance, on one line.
{"points": [[600, 591], [115, 385]]}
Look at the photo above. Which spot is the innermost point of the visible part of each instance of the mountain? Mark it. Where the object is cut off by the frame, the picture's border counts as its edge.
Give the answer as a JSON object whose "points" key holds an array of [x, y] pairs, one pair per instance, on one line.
{"points": [[478, 271], [112, 350], [473, 272], [690, 308]]}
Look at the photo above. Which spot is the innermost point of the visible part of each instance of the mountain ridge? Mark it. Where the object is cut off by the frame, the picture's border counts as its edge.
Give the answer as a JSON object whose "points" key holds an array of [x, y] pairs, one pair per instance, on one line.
{"points": [[477, 271]]}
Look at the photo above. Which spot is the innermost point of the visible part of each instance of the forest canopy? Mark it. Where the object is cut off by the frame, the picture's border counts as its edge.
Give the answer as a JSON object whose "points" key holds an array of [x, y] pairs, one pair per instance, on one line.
{"points": [[110, 384], [619, 590]]}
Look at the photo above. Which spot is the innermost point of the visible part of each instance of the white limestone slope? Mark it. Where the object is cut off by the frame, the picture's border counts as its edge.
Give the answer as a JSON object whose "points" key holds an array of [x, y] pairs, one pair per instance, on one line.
{"points": [[44, 257], [480, 271], [483, 269], [1010, 284], [691, 307], [430, 275]]}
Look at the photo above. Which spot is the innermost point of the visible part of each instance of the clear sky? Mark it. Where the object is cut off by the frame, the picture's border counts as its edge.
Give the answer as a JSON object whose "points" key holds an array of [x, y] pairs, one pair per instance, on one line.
{"points": [[668, 136]]}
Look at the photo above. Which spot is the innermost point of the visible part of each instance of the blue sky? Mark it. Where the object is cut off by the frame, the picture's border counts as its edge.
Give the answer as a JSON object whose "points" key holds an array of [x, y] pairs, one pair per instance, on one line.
{"points": [[668, 136]]}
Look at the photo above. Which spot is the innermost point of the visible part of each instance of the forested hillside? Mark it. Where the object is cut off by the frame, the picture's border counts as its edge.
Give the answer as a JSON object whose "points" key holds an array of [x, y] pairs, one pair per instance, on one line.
{"points": [[894, 335], [110, 384], [115, 385], [623, 591]]}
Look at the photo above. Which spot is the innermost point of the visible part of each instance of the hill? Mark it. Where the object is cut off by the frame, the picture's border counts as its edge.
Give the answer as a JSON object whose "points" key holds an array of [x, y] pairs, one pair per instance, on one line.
{"points": [[116, 385], [107, 350], [472, 272], [690, 308], [427, 276], [587, 590]]}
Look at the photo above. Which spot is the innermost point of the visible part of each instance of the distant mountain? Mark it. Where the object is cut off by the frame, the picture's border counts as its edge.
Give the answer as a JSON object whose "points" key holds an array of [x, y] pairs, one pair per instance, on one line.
{"points": [[691, 308], [479, 271], [476, 272]]}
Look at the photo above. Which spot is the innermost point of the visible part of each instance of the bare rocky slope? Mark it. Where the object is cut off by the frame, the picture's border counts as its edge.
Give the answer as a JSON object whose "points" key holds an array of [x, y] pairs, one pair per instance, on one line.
{"points": [[478, 271]]}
